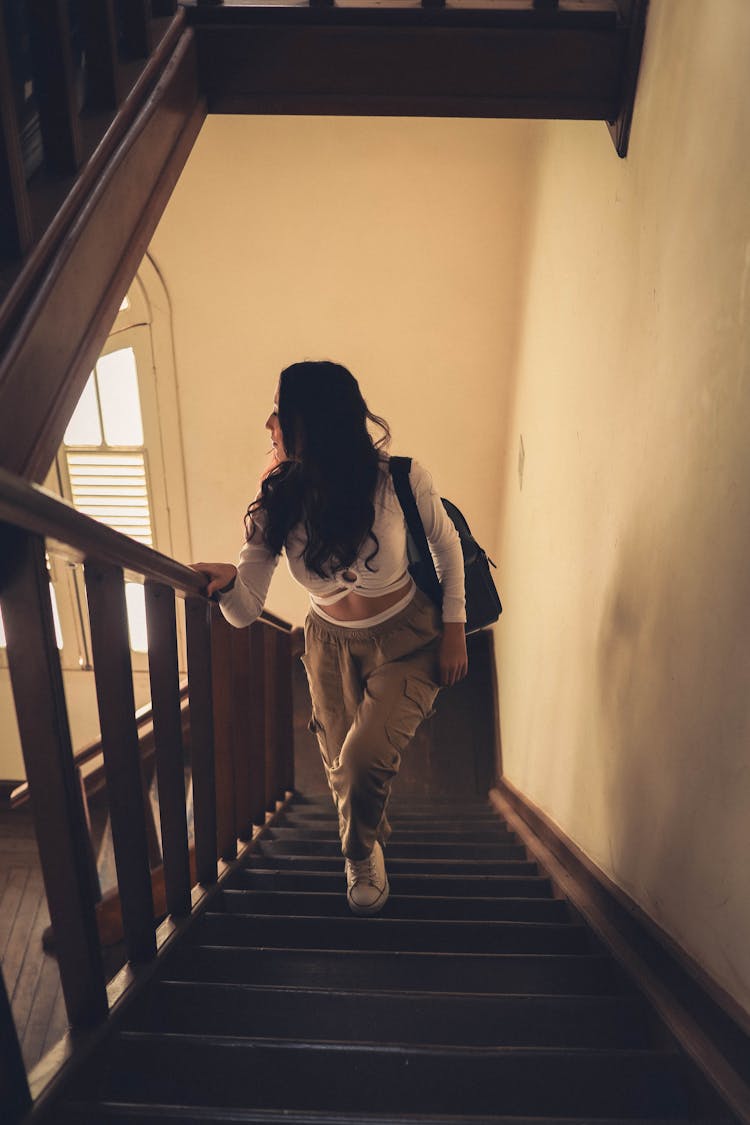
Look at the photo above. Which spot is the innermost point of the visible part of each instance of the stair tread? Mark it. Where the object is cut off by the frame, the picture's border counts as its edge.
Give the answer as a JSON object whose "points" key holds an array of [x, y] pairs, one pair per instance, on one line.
{"points": [[427, 1079], [424, 907], [219, 1115]]}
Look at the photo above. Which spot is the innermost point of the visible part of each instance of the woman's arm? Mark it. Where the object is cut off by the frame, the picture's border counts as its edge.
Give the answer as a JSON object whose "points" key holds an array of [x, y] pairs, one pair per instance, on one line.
{"points": [[242, 589]]}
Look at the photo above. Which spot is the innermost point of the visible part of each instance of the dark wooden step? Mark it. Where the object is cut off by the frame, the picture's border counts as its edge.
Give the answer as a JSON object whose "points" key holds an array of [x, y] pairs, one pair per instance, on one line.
{"points": [[399, 906], [482, 973], [397, 866], [393, 934], [80, 1113], [412, 1017], [285, 1075], [270, 877], [410, 821], [417, 850], [399, 804], [490, 835]]}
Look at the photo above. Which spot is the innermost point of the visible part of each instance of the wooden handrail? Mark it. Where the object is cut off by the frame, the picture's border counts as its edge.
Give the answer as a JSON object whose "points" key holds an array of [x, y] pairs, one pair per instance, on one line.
{"points": [[241, 732], [80, 538]]}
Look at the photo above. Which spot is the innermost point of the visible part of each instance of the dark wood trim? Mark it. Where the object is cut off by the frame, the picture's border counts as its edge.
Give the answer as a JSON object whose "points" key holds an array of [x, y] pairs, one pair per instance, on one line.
{"points": [[242, 694], [398, 67], [253, 731], [709, 1025], [16, 793], [161, 623], [102, 64], [57, 807], [16, 227], [198, 632], [41, 259], [105, 592], [634, 12], [44, 370], [54, 84], [136, 28], [221, 681]]}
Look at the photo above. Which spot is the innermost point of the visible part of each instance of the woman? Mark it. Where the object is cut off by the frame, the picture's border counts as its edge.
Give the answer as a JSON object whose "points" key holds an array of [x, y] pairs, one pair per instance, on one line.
{"points": [[377, 650]]}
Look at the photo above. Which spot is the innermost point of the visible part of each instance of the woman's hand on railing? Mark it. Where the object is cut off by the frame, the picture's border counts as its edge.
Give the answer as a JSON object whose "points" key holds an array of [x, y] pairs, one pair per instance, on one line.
{"points": [[221, 576]]}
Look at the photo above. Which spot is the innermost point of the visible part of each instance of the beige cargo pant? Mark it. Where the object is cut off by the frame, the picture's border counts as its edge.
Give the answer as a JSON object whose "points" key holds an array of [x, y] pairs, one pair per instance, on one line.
{"points": [[370, 690]]}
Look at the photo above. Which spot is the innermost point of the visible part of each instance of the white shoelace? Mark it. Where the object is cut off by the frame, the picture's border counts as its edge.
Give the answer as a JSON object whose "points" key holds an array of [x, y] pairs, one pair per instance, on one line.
{"points": [[361, 870]]}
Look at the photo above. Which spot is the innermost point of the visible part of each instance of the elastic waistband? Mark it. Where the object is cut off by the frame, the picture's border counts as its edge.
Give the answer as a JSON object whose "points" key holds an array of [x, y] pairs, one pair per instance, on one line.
{"points": [[373, 627]]}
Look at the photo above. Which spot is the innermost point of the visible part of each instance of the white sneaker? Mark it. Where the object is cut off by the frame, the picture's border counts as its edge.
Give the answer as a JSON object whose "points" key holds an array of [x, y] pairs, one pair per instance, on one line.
{"points": [[367, 882]]}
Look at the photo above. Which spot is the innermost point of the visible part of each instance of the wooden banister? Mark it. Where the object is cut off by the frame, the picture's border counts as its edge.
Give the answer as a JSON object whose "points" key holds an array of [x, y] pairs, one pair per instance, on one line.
{"points": [[241, 761]]}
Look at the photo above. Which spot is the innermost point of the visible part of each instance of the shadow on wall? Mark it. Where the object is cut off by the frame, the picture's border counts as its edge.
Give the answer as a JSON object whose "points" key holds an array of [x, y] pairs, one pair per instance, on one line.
{"points": [[673, 663]]}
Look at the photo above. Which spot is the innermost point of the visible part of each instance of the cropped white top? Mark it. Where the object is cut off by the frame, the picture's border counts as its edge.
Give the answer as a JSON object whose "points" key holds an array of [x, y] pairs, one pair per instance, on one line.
{"points": [[387, 570]]}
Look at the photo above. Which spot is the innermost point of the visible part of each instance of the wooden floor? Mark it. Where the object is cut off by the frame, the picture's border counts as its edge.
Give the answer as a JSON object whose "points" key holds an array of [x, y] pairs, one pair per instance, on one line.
{"points": [[31, 976], [429, 769]]}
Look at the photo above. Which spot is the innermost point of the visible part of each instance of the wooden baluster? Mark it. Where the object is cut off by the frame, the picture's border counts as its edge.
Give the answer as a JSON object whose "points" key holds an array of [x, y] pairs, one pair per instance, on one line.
{"points": [[286, 711], [54, 84], [16, 229], [55, 794], [135, 17], [105, 589], [255, 690], [221, 670], [89, 835], [161, 624], [197, 628], [102, 66], [242, 704], [279, 715], [15, 1097]]}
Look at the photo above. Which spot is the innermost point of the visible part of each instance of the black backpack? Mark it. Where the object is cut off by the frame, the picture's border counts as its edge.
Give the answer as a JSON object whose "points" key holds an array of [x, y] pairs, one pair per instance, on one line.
{"points": [[482, 600]]}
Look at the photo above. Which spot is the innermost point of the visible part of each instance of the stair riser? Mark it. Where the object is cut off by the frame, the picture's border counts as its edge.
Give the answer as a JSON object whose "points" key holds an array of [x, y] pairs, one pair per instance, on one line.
{"points": [[400, 883], [80, 1114], [419, 850], [445, 909], [413, 1018], [414, 822], [397, 1080], [414, 836], [391, 934], [511, 975], [397, 865]]}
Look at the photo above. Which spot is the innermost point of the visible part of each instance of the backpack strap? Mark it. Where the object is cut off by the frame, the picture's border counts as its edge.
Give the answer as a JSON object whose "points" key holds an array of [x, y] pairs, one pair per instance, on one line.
{"points": [[419, 551]]}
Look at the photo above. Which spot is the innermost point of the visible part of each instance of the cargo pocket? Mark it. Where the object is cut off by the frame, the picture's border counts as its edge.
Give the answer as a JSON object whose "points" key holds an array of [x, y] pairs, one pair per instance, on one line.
{"points": [[414, 705]]}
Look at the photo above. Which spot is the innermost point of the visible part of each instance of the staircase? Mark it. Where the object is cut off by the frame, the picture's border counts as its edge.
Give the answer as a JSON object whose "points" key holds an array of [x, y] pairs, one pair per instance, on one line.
{"points": [[476, 996]]}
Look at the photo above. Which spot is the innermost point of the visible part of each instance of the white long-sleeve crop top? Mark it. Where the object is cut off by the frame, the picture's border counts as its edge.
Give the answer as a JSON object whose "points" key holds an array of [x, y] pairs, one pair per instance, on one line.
{"points": [[244, 602]]}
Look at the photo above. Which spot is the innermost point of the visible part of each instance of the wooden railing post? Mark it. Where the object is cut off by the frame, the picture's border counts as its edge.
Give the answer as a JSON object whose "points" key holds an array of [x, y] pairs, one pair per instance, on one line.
{"points": [[105, 589], [102, 64], [197, 628], [256, 721], [279, 715], [221, 672], [15, 1097], [242, 708], [16, 227], [161, 624], [54, 84], [55, 793]]}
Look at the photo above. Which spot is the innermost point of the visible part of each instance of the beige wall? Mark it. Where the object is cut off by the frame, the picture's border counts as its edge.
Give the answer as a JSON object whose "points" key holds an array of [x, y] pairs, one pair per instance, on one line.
{"points": [[394, 246], [624, 650]]}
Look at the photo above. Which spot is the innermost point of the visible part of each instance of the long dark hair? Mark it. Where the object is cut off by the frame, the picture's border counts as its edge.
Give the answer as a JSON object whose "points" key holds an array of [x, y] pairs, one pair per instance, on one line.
{"points": [[328, 483]]}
